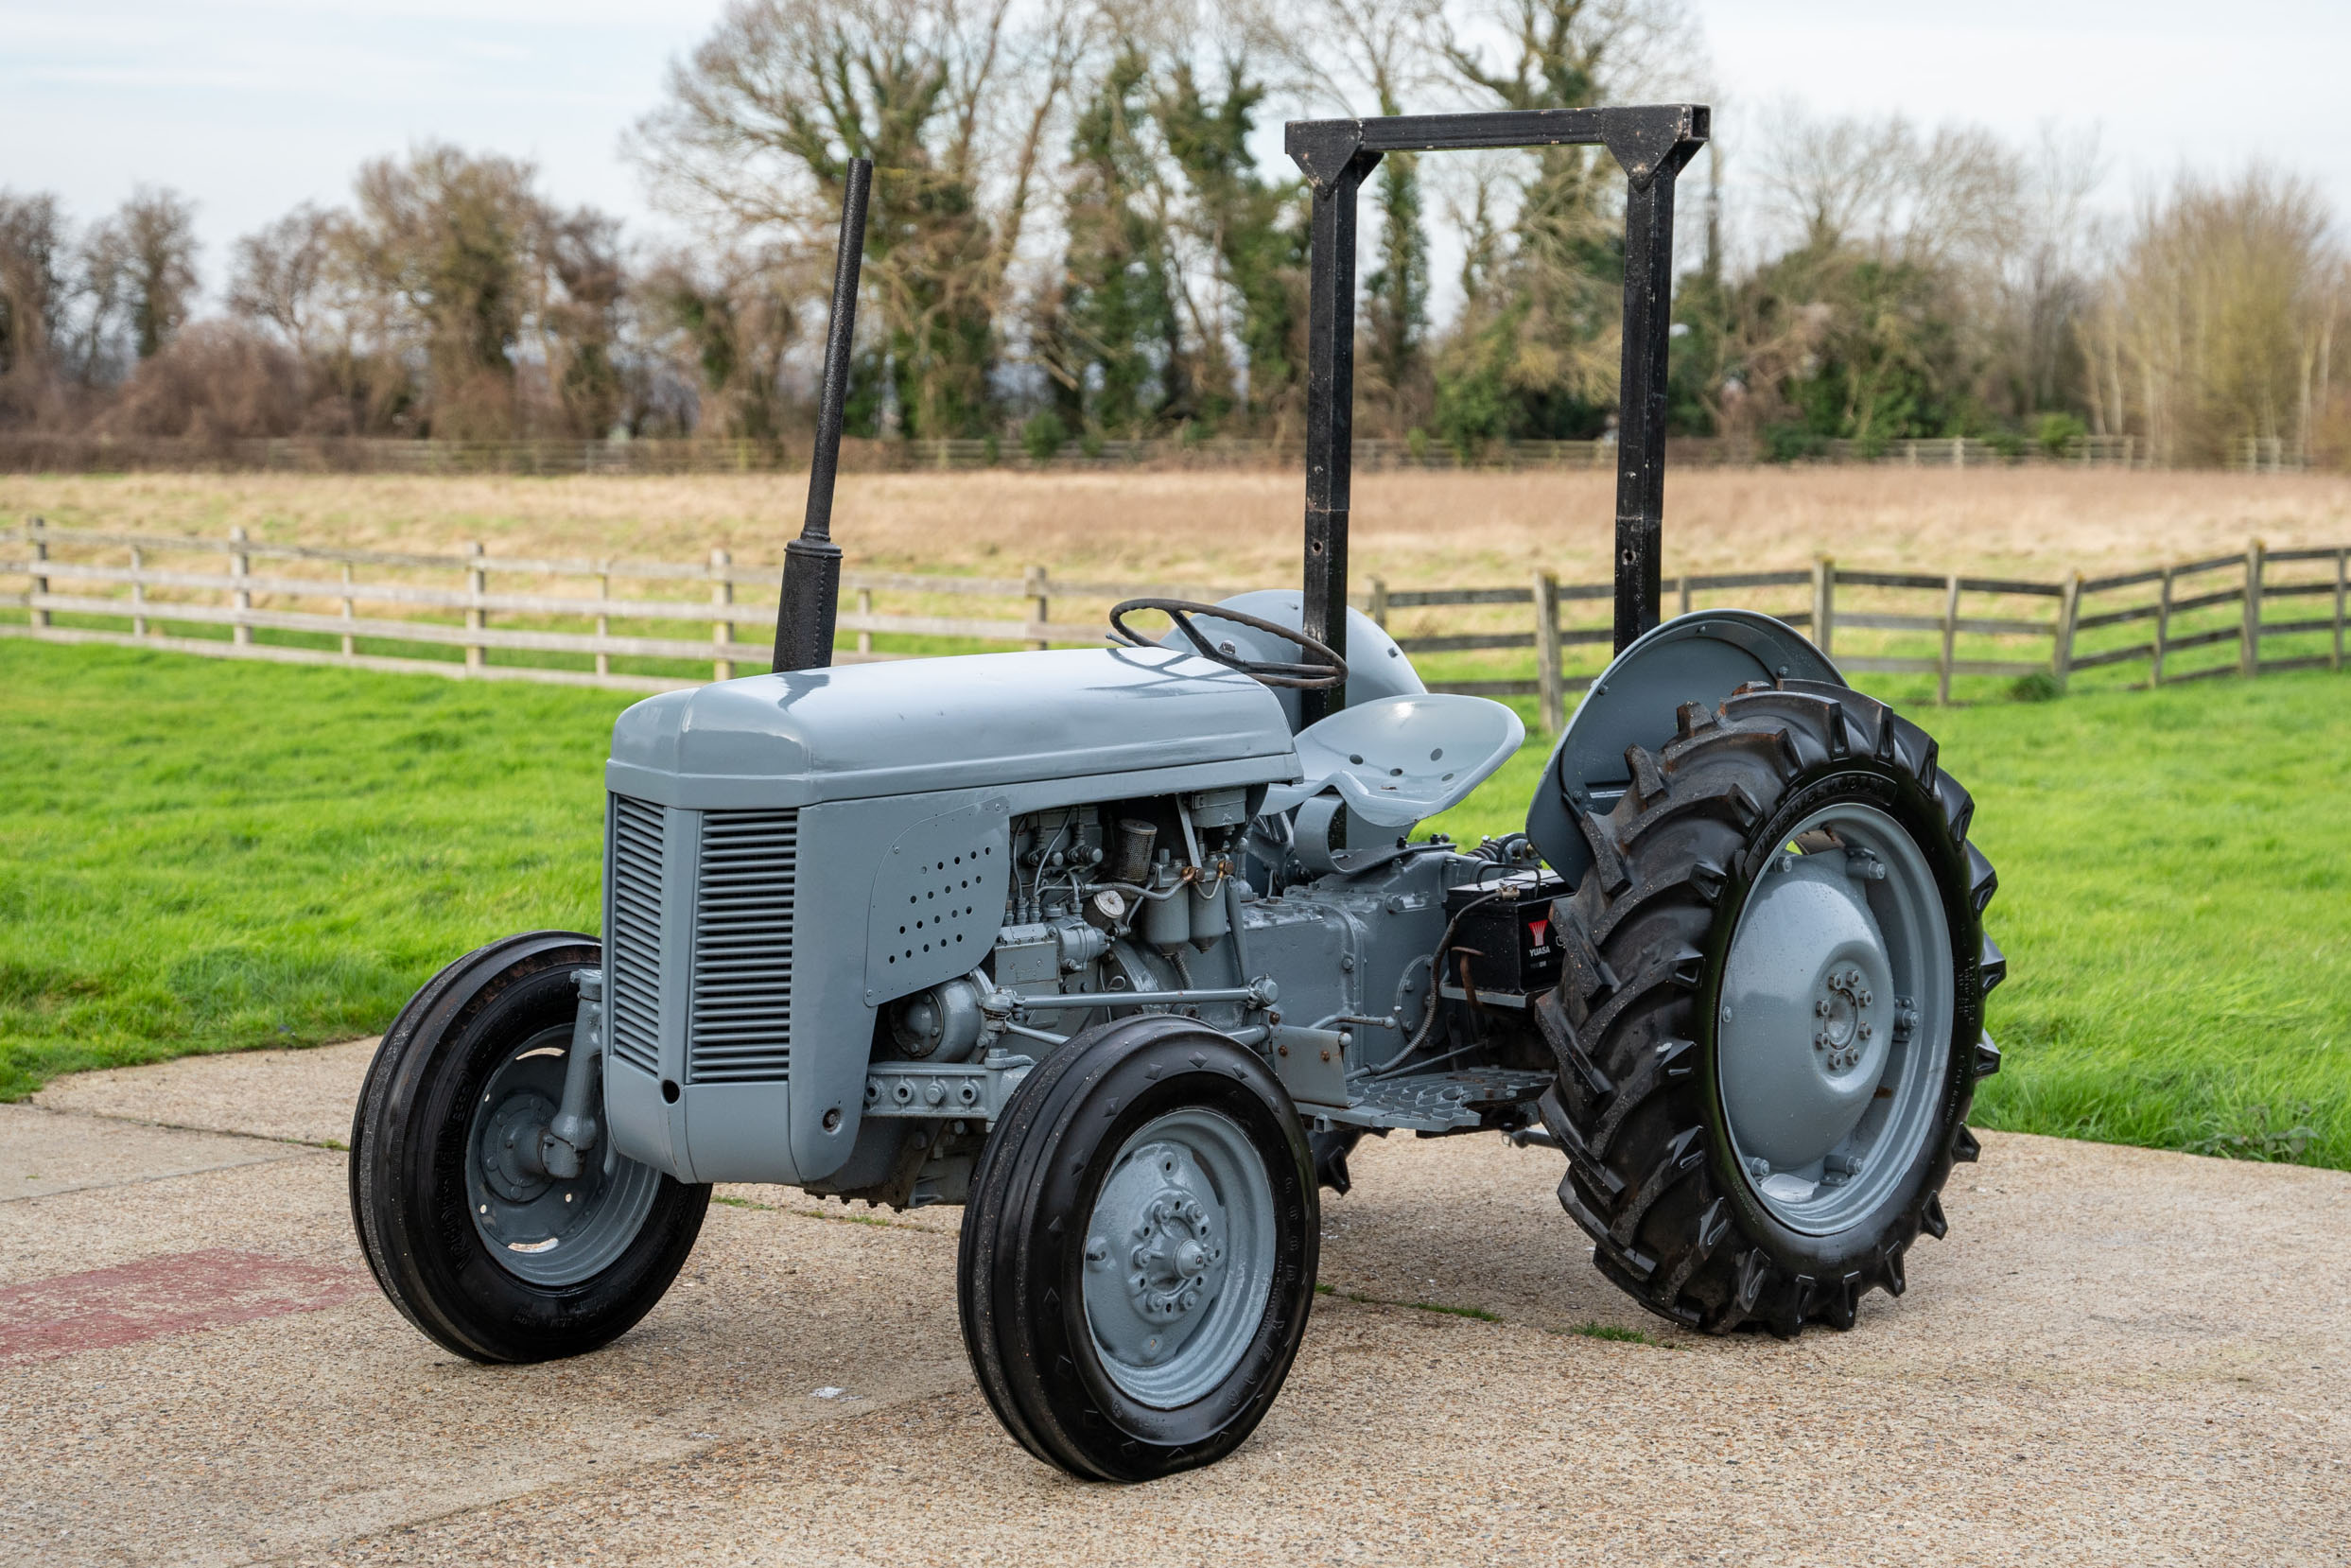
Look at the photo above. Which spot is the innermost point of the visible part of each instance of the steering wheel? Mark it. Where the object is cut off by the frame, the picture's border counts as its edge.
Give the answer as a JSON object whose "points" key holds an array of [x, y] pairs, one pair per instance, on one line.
{"points": [[1323, 670]]}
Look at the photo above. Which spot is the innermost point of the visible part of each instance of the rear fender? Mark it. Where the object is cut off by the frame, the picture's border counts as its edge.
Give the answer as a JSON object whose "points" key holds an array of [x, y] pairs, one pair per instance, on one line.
{"points": [[1700, 657]]}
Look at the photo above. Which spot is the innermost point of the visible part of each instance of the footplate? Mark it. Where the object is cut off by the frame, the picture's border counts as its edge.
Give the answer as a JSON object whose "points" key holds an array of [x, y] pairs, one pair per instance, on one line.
{"points": [[1438, 1102]]}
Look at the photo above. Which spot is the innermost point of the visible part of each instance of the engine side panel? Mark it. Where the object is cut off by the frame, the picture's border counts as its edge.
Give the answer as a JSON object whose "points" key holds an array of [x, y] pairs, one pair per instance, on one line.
{"points": [[798, 1122]]}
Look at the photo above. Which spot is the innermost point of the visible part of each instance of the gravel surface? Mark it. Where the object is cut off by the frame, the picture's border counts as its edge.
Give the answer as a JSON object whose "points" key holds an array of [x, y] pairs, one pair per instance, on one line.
{"points": [[2118, 1356]]}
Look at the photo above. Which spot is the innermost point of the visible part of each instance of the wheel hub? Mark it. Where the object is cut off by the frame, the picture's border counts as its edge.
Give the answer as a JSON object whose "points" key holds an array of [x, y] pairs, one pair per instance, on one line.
{"points": [[549, 1232], [1845, 1027], [511, 1162], [1802, 997], [1173, 1253], [1163, 1207], [1826, 1077], [1178, 1256]]}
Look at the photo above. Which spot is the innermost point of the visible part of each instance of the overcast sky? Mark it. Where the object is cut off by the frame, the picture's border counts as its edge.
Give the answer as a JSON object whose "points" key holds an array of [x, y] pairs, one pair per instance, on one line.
{"points": [[250, 106]]}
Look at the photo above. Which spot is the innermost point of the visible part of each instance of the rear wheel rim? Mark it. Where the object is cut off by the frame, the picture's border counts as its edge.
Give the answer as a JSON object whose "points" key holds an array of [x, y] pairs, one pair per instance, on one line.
{"points": [[1835, 1029], [544, 1231], [1179, 1257]]}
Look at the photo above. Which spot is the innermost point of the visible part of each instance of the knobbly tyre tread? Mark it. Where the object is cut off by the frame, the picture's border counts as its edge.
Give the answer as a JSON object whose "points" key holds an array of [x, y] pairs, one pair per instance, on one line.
{"points": [[1644, 936], [1014, 1319], [386, 1214]]}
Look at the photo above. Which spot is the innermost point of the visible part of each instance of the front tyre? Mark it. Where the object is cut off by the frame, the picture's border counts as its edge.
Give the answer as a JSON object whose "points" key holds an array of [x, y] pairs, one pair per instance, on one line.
{"points": [[1770, 1024], [466, 1233], [1138, 1253]]}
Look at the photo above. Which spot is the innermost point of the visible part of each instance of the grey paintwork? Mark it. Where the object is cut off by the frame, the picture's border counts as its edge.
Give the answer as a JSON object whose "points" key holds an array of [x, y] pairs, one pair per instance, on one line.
{"points": [[1702, 657], [903, 784], [915, 726], [1180, 1251], [1836, 1018], [1398, 760], [925, 757], [1376, 667]]}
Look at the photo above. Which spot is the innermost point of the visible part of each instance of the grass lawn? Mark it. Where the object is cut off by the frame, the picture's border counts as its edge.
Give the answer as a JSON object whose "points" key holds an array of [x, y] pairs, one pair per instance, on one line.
{"points": [[202, 856]]}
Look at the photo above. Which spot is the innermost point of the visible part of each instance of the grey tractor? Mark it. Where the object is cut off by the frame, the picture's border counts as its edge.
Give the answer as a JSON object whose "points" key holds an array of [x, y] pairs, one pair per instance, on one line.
{"points": [[1125, 949]]}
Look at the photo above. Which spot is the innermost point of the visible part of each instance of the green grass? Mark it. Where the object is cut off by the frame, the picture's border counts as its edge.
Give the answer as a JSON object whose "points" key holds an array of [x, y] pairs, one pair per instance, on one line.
{"points": [[201, 856]]}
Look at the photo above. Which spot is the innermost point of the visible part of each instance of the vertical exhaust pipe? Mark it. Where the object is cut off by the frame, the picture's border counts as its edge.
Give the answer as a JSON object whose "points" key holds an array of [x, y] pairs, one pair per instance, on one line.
{"points": [[811, 592]]}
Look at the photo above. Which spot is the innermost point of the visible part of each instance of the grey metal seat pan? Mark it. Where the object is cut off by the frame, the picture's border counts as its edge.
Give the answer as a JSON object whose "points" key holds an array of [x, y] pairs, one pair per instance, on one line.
{"points": [[1401, 759]]}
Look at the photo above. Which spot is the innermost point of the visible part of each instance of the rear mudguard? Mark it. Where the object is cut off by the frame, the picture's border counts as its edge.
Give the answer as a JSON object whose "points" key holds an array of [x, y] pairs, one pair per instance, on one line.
{"points": [[1702, 657]]}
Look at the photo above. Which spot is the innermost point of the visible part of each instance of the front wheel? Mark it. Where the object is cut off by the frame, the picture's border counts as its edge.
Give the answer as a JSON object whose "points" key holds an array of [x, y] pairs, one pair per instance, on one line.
{"points": [[1138, 1253], [467, 1232]]}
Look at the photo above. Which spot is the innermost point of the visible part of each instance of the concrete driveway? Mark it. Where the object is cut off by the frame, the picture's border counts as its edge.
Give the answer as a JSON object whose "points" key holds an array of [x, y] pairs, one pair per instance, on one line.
{"points": [[2118, 1356]]}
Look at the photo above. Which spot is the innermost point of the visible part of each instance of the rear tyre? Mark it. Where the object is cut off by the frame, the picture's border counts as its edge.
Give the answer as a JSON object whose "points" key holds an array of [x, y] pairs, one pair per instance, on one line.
{"points": [[1138, 1253], [1771, 1021], [482, 1251]]}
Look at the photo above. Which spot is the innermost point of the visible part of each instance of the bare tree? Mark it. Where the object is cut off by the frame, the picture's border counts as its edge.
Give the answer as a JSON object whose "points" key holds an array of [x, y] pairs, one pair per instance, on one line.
{"points": [[2217, 324], [722, 318], [1537, 345], [1388, 58], [141, 269], [446, 248], [34, 290], [953, 100], [281, 275]]}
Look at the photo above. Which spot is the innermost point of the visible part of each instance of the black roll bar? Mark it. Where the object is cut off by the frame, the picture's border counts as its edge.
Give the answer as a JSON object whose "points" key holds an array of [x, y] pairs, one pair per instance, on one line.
{"points": [[1651, 142]]}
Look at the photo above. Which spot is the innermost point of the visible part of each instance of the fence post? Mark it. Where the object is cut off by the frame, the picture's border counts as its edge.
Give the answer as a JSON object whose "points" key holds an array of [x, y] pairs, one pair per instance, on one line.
{"points": [[1033, 583], [1682, 588], [138, 592], [603, 620], [722, 629], [2248, 642], [2163, 629], [2334, 661], [864, 607], [241, 568], [1553, 700], [350, 644], [477, 583], [2068, 612], [1823, 601], [1379, 603], [1950, 635], [41, 552]]}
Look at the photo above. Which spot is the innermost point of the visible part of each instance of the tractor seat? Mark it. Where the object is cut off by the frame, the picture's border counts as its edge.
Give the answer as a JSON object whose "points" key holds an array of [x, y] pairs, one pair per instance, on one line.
{"points": [[1398, 760]]}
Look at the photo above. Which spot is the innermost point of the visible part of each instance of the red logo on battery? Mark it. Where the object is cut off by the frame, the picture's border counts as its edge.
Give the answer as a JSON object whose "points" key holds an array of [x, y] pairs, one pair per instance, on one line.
{"points": [[1536, 929]]}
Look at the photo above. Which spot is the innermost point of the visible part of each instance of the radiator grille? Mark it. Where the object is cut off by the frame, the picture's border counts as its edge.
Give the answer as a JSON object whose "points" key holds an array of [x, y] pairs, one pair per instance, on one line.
{"points": [[739, 1027], [632, 957]]}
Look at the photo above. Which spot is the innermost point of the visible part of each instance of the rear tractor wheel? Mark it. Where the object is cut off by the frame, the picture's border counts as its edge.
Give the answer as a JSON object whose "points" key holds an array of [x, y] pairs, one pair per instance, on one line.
{"points": [[1770, 1024]]}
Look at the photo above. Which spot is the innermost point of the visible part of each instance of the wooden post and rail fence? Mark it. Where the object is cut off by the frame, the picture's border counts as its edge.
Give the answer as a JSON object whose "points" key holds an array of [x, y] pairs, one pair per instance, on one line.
{"points": [[109, 583]]}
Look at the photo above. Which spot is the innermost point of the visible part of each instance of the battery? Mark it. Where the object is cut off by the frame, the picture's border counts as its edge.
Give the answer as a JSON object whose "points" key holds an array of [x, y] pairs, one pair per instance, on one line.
{"points": [[1508, 936]]}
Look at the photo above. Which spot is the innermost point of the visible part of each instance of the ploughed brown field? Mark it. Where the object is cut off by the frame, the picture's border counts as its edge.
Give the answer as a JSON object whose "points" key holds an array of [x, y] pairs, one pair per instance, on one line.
{"points": [[1242, 527]]}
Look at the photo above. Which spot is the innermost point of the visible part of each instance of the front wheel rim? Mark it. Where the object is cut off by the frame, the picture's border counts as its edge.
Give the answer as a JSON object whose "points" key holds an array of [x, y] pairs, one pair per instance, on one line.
{"points": [[1179, 1257], [546, 1231], [1836, 1018]]}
